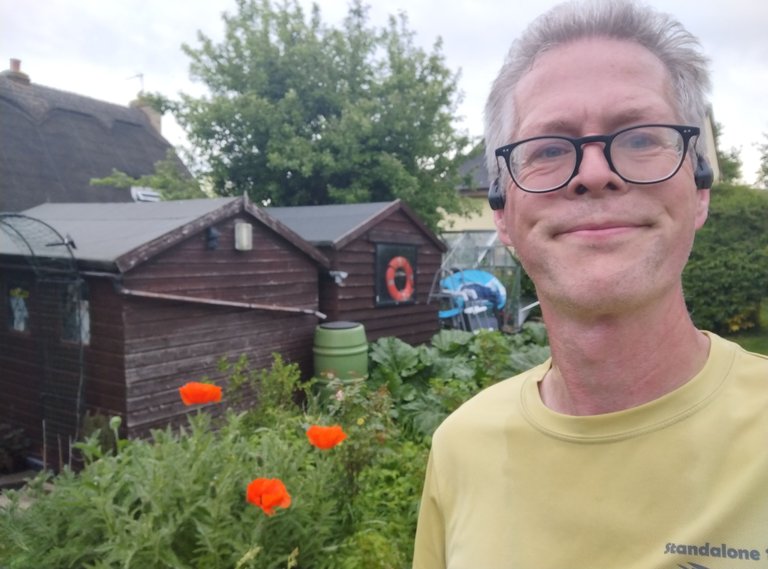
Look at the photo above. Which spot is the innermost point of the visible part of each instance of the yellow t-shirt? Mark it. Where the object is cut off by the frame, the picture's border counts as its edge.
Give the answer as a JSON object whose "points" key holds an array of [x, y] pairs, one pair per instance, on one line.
{"points": [[681, 481]]}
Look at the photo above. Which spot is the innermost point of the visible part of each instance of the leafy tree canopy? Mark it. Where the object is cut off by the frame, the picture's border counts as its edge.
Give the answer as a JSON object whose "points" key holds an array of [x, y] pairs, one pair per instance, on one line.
{"points": [[729, 161], [762, 170], [303, 113]]}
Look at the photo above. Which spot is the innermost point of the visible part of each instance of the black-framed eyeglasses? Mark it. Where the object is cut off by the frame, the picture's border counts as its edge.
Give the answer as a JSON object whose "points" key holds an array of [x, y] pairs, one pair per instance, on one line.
{"points": [[644, 154]]}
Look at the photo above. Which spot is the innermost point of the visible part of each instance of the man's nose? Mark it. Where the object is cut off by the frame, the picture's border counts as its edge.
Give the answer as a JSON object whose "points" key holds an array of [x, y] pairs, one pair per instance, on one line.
{"points": [[595, 174]]}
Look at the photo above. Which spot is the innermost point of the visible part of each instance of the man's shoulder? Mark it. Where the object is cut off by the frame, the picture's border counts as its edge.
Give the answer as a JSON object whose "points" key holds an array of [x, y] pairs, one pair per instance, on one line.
{"points": [[743, 374], [743, 360]]}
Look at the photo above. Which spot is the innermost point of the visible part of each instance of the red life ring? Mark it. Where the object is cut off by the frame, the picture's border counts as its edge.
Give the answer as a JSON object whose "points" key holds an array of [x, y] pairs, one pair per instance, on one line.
{"points": [[395, 264]]}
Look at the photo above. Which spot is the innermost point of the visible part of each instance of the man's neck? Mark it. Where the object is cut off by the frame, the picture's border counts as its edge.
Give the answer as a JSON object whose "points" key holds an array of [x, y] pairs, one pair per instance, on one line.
{"points": [[607, 364]]}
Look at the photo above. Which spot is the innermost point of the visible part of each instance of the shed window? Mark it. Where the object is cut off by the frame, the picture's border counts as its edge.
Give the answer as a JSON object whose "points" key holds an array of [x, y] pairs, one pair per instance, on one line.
{"points": [[18, 311], [76, 314]]}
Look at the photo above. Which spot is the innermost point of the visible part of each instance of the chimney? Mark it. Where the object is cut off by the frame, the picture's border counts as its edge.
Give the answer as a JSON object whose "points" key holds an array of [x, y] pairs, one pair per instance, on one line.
{"points": [[155, 117], [15, 73]]}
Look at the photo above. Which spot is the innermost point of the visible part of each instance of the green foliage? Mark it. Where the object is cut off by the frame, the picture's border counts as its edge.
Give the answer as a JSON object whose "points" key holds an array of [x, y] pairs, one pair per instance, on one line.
{"points": [[730, 165], [168, 179], [156, 101], [429, 382], [729, 161], [101, 431], [303, 113], [726, 278], [133, 509], [762, 170], [275, 388], [385, 510], [178, 500], [365, 413]]}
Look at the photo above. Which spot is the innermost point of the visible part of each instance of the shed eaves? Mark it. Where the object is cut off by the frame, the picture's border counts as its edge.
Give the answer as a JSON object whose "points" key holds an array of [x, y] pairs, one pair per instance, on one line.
{"points": [[102, 233]]}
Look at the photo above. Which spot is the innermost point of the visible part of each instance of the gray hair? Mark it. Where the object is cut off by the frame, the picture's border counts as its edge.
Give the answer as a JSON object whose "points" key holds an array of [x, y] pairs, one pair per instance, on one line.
{"points": [[678, 49]]}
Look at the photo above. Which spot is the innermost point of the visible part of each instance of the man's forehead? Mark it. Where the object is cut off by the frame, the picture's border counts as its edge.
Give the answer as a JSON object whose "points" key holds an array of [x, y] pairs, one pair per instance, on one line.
{"points": [[623, 79]]}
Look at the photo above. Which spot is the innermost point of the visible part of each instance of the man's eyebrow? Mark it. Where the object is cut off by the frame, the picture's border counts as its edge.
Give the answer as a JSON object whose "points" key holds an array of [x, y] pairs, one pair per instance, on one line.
{"points": [[557, 126], [633, 115], [573, 126]]}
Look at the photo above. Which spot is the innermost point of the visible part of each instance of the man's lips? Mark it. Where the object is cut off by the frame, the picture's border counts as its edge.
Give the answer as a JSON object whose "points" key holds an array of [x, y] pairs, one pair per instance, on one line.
{"points": [[599, 229]]}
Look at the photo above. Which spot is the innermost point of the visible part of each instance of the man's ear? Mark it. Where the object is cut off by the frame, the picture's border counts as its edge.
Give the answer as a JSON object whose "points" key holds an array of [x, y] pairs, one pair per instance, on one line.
{"points": [[702, 207], [501, 226]]}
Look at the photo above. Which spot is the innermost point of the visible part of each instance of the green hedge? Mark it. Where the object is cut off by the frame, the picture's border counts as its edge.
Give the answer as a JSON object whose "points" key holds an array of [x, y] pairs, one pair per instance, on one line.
{"points": [[726, 278]]}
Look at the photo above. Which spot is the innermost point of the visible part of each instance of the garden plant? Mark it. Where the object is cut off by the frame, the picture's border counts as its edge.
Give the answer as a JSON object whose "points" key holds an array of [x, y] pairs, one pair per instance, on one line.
{"points": [[319, 474]]}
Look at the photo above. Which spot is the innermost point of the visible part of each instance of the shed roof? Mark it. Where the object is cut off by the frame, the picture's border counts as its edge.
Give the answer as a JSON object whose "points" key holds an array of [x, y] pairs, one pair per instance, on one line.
{"points": [[54, 142], [119, 236], [336, 225]]}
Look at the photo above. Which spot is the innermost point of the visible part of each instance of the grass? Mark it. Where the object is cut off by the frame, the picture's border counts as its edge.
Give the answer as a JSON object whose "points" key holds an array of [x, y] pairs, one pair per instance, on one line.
{"points": [[755, 340]]}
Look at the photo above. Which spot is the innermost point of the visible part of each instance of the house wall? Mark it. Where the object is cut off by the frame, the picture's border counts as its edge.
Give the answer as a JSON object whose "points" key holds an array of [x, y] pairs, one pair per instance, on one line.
{"points": [[169, 343], [480, 221], [355, 300]]}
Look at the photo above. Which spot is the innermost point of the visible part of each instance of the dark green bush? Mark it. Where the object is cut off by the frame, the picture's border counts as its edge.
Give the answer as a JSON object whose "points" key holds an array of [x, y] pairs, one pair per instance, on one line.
{"points": [[726, 278]]}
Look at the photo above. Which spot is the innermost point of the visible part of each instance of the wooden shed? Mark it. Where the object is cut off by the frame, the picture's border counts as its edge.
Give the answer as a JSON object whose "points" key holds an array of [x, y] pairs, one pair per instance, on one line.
{"points": [[383, 262], [161, 292]]}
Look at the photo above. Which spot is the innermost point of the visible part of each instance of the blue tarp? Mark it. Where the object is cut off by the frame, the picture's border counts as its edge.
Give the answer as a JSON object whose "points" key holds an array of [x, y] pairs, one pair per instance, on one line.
{"points": [[474, 284]]}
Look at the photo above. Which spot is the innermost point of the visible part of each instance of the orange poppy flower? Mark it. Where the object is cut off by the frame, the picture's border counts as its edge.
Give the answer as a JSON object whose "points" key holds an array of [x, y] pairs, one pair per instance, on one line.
{"points": [[195, 393], [325, 437], [268, 494]]}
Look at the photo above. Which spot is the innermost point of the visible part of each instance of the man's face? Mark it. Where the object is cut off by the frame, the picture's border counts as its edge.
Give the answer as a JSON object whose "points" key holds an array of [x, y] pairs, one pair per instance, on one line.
{"points": [[600, 246]]}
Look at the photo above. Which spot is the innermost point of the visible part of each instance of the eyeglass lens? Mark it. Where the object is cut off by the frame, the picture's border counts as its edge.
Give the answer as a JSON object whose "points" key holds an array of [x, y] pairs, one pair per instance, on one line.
{"points": [[644, 154]]}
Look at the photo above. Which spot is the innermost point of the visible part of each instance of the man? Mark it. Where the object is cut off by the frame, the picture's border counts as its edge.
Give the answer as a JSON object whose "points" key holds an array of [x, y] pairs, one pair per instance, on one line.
{"points": [[643, 442]]}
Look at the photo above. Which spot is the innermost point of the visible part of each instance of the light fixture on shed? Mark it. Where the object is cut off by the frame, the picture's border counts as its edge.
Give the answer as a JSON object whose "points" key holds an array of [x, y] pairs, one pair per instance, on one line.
{"points": [[243, 236]]}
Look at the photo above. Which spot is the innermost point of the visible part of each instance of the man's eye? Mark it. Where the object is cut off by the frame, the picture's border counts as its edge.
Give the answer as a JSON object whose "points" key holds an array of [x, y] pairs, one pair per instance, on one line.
{"points": [[552, 151], [641, 141], [548, 151]]}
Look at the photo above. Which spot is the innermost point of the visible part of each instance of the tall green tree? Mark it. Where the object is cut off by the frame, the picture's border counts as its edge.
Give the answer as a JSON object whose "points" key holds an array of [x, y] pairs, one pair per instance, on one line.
{"points": [[729, 161], [762, 170], [303, 113]]}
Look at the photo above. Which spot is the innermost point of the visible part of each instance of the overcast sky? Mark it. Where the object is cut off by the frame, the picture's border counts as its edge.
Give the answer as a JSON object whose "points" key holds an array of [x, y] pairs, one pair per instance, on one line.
{"points": [[98, 47]]}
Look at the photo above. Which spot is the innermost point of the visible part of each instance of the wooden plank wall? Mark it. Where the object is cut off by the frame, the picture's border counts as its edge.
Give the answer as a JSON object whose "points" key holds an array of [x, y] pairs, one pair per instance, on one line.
{"points": [[41, 374], [105, 356], [355, 301], [20, 370], [273, 272], [170, 343]]}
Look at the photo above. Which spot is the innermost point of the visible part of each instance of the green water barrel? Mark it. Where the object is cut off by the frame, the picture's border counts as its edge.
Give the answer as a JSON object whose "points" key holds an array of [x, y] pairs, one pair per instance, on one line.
{"points": [[341, 350]]}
